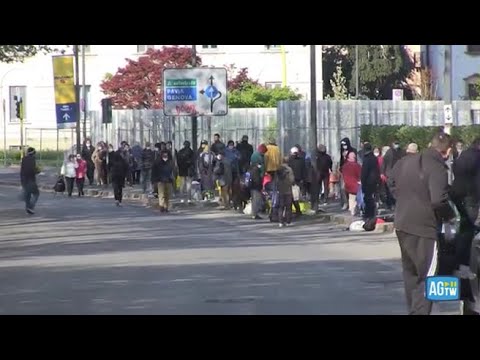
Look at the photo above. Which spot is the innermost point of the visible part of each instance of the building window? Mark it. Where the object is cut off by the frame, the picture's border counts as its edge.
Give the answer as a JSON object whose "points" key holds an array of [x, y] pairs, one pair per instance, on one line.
{"points": [[473, 87], [85, 102], [143, 48], [210, 47], [272, 47], [21, 93], [273, 84], [473, 49]]}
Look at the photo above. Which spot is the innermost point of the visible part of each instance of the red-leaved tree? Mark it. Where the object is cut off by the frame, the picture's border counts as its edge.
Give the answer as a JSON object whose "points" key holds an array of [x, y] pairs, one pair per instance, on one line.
{"points": [[238, 79], [138, 85]]}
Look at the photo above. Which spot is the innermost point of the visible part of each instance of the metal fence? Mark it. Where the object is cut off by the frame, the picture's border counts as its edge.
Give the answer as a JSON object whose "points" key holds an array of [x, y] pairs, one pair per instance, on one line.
{"points": [[49, 139], [339, 119], [289, 123]]}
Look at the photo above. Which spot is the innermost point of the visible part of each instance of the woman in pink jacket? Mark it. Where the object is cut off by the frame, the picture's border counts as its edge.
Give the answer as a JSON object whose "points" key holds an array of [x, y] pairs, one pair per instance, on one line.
{"points": [[81, 172]]}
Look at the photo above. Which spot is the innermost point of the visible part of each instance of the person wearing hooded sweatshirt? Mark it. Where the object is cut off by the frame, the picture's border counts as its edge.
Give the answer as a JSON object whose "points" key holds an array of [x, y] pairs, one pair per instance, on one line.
{"points": [[284, 181], [394, 154], [246, 151], [87, 153], [297, 164], [273, 160], [345, 149], [28, 179], [258, 157], [370, 180], [351, 171]]}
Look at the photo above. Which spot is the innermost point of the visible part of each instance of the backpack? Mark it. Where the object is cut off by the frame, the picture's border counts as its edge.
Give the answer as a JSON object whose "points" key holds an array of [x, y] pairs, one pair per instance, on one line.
{"points": [[59, 185]]}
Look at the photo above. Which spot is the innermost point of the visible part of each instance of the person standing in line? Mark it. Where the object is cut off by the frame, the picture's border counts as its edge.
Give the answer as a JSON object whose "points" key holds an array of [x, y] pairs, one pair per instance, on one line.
{"points": [[162, 174], [87, 154], [28, 179], [246, 151], [370, 180], [223, 174], [321, 176], [69, 173], [217, 145], [186, 169], [147, 161], [422, 196], [284, 181], [234, 156], [137, 163], [118, 168], [256, 186], [394, 154], [80, 173], [351, 172], [273, 159], [297, 164]]}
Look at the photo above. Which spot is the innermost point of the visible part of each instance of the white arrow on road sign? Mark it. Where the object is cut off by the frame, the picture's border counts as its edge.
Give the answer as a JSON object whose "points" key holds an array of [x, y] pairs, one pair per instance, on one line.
{"points": [[448, 114], [66, 117]]}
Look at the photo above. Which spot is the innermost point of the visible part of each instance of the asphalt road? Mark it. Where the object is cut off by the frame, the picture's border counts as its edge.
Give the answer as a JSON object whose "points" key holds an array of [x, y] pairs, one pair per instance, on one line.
{"points": [[86, 256]]}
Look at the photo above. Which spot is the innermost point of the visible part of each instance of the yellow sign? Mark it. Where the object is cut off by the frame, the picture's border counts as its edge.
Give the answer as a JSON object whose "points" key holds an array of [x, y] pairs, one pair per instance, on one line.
{"points": [[63, 80]]}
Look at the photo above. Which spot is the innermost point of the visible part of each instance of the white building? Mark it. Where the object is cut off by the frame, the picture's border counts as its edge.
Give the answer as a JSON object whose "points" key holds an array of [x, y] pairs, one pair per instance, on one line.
{"points": [[33, 79], [465, 69]]}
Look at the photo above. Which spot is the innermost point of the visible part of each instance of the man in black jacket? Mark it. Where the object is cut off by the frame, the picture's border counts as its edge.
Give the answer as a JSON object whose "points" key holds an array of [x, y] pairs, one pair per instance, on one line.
{"points": [[217, 146], [246, 151], [421, 190], [370, 179], [87, 152], [147, 161], [28, 179], [162, 174], [465, 193], [297, 164], [320, 176], [118, 168], [391, 157], [186, 169]]}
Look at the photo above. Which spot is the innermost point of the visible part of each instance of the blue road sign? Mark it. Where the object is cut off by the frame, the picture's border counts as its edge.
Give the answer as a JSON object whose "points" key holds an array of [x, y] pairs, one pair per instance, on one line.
{"points": [[181, 94], [66, 115], [211, 92]]}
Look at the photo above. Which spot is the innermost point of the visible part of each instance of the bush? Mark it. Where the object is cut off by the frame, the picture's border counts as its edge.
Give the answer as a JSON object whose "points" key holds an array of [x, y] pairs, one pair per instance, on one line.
{"points": [[384, 135], [44, 158]]}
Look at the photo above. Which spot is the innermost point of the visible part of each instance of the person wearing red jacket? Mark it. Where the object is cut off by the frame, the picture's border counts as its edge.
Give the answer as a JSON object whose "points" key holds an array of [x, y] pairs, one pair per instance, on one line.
{"points": [[80, 173], [351, 172]]}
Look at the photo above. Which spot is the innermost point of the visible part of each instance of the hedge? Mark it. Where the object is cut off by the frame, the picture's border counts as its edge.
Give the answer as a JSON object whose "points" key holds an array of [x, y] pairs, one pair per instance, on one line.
{"points": [[385, 135], [45, 157]]}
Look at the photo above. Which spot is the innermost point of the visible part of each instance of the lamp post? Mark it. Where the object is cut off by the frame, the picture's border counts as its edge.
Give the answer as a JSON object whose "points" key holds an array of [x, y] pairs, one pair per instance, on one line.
{"points": [[77, 97], [194, 117], [313, 98], [357, 76]]}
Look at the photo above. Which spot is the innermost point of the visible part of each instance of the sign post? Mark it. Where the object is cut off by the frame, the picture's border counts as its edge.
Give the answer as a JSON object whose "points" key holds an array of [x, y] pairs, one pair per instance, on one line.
{"points": [[195, 92], [65, 97], [397, 94]]}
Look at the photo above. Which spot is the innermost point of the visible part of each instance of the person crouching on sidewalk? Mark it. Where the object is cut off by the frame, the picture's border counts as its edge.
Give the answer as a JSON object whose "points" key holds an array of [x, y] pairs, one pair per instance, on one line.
{"points": [[285, 180], [162, 174]]}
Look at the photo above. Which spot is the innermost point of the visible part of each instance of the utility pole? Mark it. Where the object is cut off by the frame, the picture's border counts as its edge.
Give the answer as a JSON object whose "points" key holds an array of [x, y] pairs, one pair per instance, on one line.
{"points": [[84, 90], [313, 98], [77, 96], [194, 117], [357, 76], [447, 99]]}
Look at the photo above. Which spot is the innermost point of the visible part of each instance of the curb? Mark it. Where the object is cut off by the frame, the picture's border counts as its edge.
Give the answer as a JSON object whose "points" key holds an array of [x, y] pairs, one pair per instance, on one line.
{"points": [[153, 203]]}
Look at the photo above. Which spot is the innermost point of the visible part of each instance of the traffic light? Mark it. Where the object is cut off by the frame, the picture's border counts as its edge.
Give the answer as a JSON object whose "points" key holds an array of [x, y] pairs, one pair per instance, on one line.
{"points": [[107, 111]]}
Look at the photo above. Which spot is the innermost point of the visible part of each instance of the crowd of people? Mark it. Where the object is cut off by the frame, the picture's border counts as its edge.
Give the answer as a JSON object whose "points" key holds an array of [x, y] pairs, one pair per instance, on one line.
{"points": [[430, 191]]}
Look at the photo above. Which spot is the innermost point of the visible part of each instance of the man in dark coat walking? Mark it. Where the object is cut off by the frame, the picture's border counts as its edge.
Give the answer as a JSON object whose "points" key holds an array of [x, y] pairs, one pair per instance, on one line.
{"points": [[370, 180]]}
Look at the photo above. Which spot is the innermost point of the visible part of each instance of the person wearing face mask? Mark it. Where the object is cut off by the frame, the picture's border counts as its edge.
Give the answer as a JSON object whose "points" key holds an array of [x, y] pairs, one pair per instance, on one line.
{"points": [[297, 164], [345, 149], [422, 193], [223, 175], [98, 158], [147, 162], [234, 156], [370, 180], [162, 174], [68, 171], [394, 154], [87, 154], [246, 151], [458, 150], [205, 170], [118, 168], [80, 173]]}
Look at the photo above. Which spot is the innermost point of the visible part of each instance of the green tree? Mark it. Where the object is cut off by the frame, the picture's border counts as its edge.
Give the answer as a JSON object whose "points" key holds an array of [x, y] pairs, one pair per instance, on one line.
{"points": [[245, 92], [381, 69], [338, 85], [18, 53]]}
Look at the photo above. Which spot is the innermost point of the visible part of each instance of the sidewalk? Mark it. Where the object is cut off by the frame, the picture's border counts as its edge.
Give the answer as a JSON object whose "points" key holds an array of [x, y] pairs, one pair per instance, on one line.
{"points": [[331, 213]]}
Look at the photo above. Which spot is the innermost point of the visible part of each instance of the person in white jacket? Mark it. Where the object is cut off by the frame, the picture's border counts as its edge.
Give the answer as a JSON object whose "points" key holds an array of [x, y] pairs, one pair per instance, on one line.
{"points": [[68, 171]]}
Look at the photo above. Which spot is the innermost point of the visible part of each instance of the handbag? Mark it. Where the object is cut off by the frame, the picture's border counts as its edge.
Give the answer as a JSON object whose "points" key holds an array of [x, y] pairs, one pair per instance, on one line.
{"points": [[296, 192]]}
